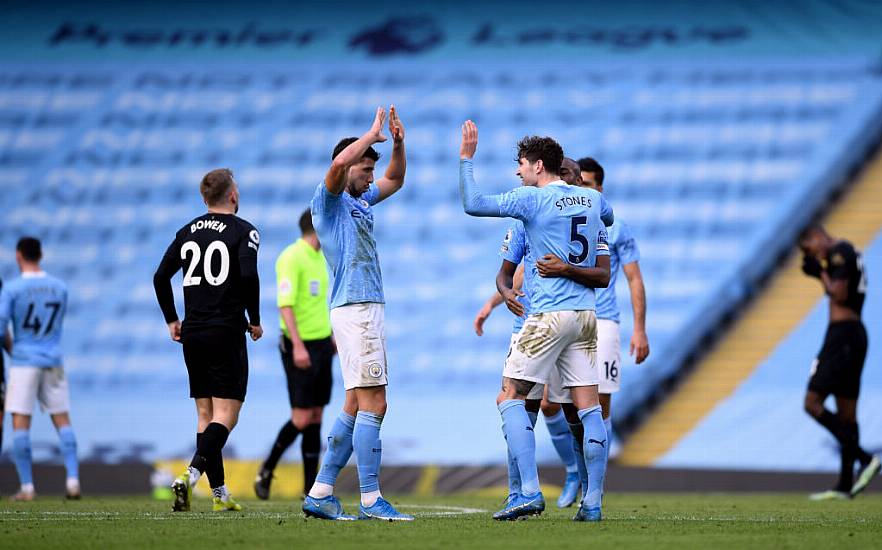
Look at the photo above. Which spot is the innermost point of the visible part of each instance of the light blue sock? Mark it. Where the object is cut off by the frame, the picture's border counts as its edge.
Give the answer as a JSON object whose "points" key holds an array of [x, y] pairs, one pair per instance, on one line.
{"points": [[578, 432], [368, 450], [69, 451], [562, 439], [514, 476], [21, 455], [595, 454], [607, 423], [339, 449], [521, 443]]}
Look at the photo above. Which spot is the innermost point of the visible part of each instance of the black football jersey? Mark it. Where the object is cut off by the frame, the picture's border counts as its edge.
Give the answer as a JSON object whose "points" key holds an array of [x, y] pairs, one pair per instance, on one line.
{"points": [[218, 256], [844, 262]]}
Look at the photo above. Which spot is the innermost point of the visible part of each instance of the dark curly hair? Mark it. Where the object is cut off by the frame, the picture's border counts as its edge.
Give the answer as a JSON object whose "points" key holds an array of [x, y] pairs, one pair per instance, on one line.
{"points": [[547, 150]]}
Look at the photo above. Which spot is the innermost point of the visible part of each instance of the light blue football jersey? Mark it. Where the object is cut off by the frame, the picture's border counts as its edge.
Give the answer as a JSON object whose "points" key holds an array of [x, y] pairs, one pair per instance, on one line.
{"points": [[514, 249], [622, 251], [559, 219], [35, 303], [345, 228]]}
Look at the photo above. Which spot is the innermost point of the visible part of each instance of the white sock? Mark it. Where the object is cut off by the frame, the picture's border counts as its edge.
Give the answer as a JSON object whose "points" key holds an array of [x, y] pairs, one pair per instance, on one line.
{"points": [[73, 485], [369, 499], [27, 487], [221, 492], [194, 475], [321, 490]]}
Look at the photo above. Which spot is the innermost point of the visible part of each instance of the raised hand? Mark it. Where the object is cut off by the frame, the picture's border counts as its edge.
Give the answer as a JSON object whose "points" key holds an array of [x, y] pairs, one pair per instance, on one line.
{"points": [[376, 131], [395, 126], [469, 140]]}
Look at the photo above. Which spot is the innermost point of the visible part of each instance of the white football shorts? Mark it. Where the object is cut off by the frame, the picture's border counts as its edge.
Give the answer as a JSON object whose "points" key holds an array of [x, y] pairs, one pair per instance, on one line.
{"points": [[361, 343], [29, 384], [558, 348], [609, 356]]}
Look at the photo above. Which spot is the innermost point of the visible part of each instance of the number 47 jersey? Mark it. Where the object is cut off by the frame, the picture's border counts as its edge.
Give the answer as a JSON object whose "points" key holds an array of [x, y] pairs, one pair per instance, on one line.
{"points": [[35, 303], [218, 256]]}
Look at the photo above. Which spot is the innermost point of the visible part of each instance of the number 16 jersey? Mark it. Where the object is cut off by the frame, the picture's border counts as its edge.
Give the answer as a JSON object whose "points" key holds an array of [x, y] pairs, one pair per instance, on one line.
{"points": [[218, 256], [35, 303]]}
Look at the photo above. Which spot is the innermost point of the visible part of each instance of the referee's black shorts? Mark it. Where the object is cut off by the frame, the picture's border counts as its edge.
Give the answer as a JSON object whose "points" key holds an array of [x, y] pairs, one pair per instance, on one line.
{"points": [[310, 387], [217, 362], [838, 367]]}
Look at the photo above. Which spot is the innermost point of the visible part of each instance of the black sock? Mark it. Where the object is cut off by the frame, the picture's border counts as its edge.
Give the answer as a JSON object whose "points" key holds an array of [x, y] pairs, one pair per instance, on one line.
{"points": [[311, 448], [849, 449], [861, 455], [215, 477], [209, 446], [286, 437]]}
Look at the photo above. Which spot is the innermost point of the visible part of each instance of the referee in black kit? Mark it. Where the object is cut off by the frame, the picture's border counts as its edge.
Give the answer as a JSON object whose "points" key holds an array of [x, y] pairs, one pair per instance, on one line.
{"points": [[837, 369], [218, 254]]}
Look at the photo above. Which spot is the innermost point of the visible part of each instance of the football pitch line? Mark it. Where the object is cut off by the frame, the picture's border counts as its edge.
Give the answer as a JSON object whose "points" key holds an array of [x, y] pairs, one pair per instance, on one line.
{"points": [[432, 511]]}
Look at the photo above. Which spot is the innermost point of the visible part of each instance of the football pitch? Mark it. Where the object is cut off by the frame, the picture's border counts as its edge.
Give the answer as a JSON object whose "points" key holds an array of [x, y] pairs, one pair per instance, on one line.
{"points": [[631, 521]]}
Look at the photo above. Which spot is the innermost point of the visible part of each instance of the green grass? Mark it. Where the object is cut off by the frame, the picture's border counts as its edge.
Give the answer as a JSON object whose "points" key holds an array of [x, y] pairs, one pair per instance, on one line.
{"points": [[651, 521]]}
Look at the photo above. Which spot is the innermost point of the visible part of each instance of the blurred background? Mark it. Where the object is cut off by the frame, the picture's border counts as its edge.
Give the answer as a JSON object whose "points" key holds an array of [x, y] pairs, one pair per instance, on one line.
{"points": [[724, 129]]}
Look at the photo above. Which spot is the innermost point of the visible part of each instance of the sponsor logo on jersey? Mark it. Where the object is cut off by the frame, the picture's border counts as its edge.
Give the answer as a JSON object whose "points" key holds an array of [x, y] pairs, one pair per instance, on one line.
{"points": [[314, 288]]}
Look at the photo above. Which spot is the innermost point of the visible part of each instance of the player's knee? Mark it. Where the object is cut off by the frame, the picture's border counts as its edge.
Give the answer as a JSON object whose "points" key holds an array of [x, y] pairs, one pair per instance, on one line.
{"points": [[60, 420], [549, 409], [813, 406], [533, 405]]}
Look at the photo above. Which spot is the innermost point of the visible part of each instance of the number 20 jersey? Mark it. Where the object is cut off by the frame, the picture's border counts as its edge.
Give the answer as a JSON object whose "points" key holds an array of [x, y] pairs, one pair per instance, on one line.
{"points": [[218, 256], [36, 304]]}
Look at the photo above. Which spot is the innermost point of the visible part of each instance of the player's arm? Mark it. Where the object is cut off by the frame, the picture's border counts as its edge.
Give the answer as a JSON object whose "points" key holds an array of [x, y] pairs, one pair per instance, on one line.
{"points": [[506, 288], [639, 347], [393, 179], [835, 277], [495, 300], [335, 179], [287, 282], [606, 212], [248, 246], [518, 203], [168, 266], [7, 341], [591, 277]]}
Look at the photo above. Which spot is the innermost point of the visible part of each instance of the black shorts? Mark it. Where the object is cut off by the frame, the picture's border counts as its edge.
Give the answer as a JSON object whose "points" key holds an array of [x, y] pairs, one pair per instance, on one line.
{"points": [[310, 387], [837, 369], [217, 362]]}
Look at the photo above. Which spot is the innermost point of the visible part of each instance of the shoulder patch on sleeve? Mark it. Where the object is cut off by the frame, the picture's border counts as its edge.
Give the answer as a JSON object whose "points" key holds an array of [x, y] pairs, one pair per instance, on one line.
{"points": [[254, 236], [285, 286]]}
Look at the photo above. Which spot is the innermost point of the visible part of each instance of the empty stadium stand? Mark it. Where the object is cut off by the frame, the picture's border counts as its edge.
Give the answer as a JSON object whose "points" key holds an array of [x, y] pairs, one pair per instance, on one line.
{"points": [[715, 165]]}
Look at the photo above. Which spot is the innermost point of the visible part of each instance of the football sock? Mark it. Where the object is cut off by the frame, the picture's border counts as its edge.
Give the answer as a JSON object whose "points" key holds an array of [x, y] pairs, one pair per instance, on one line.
{"points": [[607, 423], [368, 452], [595, 454], [578, 432], [286, 437], [210, 444], [69, 451], [863, 456], [214, 470], [562, 439], [337, 455], [514, 476], [21, 455], [847, 435], [311, 448], [521, 442]]}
